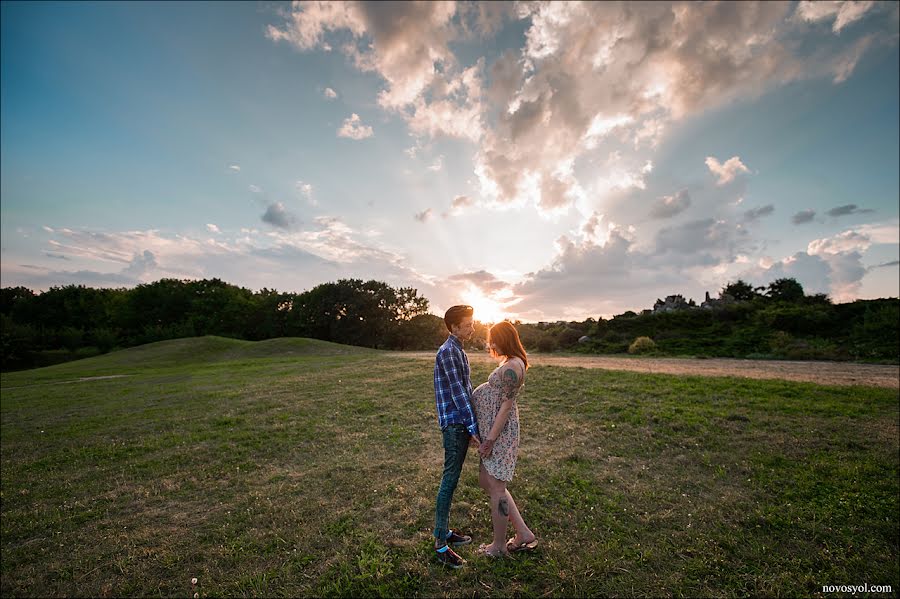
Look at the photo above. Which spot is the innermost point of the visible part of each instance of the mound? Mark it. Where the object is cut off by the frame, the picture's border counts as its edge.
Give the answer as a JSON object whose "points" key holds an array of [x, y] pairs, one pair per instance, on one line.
{"points": [[203, 350]]}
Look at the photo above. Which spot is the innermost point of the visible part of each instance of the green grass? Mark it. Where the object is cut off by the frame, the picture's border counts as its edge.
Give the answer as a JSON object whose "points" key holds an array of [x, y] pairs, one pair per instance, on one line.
{"points": [[297, 467]]}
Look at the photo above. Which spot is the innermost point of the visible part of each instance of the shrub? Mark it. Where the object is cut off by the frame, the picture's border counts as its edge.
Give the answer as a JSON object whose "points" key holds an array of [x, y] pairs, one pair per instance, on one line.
{"points": [[642, 345], [546, 343], [71, 338], [780, 342], [104, 339]]}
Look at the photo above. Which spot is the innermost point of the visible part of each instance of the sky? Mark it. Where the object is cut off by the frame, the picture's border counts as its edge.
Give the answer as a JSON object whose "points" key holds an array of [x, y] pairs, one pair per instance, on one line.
{"points": [[539, 161]]}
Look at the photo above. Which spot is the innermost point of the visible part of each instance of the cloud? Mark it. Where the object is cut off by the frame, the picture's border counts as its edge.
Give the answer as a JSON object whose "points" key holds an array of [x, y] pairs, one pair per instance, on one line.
{"points": [[886, 232], [140, 264], [804, 216], [858, 239], [458, 205], [277, 216], [754, 214], [847, 61], [839, 275], [885, 265], [703, 242], [833, 264], [330, 93], [308, 23], [846, 210], [140, 268], [589, 77], [669, 206], [481, 279], [212, 228], [254, 189], [298, 258], [423, 216], [842, 12], [401, 42], [728, 171], [354, 129], [306, 190], [234, 168], [848, 241], [484, 19], [437, 165]]}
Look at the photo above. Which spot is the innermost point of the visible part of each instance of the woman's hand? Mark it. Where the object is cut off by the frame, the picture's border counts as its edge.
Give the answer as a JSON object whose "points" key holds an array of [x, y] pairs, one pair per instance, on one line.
{"points": [[487, 446]]}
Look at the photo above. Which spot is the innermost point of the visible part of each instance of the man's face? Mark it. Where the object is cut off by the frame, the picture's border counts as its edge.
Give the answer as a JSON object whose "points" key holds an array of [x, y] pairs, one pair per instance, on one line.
{"points": [[465, 328]]}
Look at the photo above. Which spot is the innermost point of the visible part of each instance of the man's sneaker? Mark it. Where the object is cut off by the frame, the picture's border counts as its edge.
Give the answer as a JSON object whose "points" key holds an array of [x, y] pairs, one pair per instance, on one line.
{"points": [[455, 539], [448, 557]]}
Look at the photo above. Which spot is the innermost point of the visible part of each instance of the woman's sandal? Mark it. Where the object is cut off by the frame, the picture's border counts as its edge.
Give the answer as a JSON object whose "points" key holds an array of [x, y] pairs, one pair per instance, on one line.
{"points": [[513, 547], [482, 550]]}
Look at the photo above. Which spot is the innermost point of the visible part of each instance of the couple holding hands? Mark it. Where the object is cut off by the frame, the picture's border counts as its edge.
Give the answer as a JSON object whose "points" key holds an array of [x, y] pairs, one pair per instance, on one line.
{"points": [[486, 418]]}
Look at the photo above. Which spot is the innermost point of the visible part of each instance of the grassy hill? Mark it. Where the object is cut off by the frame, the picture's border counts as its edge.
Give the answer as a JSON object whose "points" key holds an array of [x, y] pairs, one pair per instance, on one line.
{"points": [[299, 467], [193, 352]]}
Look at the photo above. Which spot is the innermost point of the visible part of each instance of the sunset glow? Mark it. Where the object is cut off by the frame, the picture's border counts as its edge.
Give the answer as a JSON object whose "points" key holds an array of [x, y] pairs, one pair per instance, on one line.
{"points": [[487, 310]]}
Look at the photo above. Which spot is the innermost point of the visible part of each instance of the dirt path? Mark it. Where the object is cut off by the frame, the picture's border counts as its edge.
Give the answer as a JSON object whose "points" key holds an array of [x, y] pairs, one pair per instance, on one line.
{"points": [[824, 373]]}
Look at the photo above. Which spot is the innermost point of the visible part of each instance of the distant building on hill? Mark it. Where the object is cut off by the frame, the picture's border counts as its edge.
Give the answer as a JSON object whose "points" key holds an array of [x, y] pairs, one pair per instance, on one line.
{"points": [[673, 303], [724, 300]]}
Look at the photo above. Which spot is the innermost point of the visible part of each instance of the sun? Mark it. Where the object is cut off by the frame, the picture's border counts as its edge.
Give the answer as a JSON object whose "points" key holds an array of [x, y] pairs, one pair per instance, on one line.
{"points": [[486, 309]]}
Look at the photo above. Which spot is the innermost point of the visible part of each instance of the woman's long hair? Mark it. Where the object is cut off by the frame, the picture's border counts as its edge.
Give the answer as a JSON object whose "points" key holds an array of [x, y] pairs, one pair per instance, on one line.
{"points": [[505, 336]]}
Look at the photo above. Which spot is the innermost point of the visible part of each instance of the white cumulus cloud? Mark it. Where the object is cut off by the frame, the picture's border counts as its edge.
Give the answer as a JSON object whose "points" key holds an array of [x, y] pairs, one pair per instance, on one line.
{"points": [[725, 173], [354, 129]]}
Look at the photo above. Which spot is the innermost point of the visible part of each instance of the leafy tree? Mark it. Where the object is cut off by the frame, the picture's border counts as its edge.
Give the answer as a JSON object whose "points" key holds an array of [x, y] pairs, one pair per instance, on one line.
{"points": [[740, 290], [785, 290], [10, 297]]}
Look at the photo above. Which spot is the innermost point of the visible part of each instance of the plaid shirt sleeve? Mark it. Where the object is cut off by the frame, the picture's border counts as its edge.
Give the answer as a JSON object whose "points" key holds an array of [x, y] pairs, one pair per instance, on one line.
{"points": [[453, 390]]}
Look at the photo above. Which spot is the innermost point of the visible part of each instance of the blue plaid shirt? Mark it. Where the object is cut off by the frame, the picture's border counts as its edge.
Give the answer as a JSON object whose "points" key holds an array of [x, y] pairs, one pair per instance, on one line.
{"points": [[453, 387]]}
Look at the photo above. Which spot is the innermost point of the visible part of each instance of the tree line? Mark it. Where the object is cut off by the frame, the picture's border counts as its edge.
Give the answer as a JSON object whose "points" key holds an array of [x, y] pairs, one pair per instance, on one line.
{"points": [[37, 328], [776, 321]]}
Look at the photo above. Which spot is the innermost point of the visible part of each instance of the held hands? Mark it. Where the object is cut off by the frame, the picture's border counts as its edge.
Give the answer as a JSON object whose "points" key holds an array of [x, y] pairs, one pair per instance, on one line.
{"points": [[474, 441], [487, 446]]}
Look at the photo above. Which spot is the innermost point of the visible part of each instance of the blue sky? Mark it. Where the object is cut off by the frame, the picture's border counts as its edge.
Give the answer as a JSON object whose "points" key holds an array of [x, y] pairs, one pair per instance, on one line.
{"points": [[538, 161]]}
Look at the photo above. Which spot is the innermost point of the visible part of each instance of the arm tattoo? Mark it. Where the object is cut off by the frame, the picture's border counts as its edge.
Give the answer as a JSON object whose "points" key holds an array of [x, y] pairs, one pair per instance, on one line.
{"points": [[509, 382], [503, 507]]}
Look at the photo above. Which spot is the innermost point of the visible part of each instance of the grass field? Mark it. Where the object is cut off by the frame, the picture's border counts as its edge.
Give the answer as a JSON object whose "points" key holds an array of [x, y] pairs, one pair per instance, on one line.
{"points": [[297, 467]]}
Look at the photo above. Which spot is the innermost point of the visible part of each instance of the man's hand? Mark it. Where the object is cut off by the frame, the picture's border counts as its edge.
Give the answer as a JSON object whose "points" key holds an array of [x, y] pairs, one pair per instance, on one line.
{"points": [[487, 446], [474, 441]]}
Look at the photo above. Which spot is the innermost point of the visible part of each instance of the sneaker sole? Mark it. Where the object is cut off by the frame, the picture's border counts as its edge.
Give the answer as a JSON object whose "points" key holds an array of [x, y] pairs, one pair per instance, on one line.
{"points": [[449, 565]]}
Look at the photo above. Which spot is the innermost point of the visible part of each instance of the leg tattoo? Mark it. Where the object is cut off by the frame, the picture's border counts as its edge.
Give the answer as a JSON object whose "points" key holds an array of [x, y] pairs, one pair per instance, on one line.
{"points": [[503, 507]]}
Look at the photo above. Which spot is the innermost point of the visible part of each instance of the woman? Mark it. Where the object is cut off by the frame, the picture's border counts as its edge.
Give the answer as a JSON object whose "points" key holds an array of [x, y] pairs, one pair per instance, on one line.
{"points": [[495, 408]]}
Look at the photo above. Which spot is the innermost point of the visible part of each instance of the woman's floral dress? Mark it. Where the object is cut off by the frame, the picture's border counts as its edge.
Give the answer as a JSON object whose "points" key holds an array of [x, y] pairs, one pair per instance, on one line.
{"points": [[486, 402]]}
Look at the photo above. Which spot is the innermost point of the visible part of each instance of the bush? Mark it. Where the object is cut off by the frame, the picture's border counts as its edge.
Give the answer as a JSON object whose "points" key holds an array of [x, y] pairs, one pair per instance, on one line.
{"points": [[642, 345], [71, 338], [546, 344], [104, 339], [780, 342]]}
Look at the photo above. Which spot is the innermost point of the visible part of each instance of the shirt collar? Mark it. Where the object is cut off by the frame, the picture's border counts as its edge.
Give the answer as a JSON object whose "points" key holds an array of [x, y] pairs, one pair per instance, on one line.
{"points": [[455, 340]]}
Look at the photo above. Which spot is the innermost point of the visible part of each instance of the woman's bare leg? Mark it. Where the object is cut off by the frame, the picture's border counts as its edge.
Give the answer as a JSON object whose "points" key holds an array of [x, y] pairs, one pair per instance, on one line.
{"points": [[499, 515], [499, 502], [523, 533]]}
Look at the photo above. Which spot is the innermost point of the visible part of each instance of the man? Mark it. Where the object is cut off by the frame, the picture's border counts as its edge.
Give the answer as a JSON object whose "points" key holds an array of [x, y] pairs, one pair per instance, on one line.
{"points": [[453, 396]]}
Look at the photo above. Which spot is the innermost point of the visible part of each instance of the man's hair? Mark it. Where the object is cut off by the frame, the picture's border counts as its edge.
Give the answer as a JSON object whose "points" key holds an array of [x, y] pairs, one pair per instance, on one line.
{"points": [[455, 315]]}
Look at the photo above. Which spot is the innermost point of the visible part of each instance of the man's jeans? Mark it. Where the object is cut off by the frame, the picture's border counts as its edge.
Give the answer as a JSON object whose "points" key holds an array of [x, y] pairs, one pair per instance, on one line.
{"points": [[456, 445]]}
